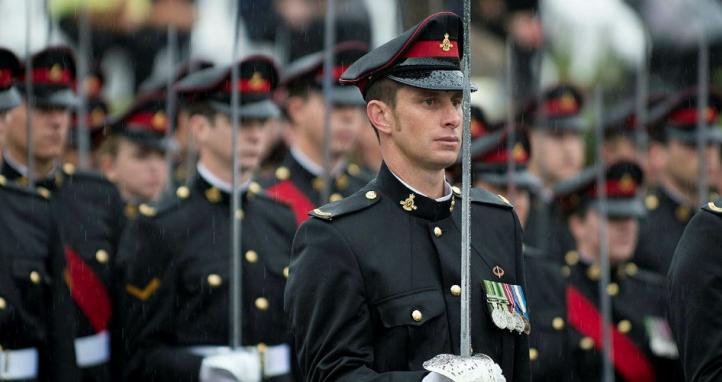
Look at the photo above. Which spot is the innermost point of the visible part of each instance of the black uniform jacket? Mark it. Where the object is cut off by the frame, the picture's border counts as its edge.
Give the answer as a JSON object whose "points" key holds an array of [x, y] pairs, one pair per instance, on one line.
{"points": [[695, 306], [638, 322], [549, 350], [88, 211], [660, 231], [371, 288], [294, 185], [34, 299], [177, 262]]}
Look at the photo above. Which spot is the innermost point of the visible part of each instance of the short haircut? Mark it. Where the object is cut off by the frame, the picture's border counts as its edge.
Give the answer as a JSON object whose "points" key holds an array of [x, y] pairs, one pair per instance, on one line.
{"points": [[201, 108], [383, 90]]}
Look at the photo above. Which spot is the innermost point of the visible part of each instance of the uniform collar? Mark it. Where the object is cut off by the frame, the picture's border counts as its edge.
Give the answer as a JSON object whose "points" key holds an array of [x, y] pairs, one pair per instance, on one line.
{"points": [[17, 172], [411, 201], [312, 167], [216, 190]]}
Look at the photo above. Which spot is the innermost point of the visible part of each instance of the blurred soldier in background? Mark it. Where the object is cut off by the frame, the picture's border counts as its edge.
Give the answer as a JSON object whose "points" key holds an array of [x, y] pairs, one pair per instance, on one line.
{"points": [[133, 155], [86, 207], [671, 204], [643, 348], [176, 256], [548, 342], [299, 181]]}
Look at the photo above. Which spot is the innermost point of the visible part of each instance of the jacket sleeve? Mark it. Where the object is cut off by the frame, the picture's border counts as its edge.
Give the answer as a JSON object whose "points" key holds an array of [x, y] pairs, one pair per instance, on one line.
{"points": [[695, 310], [328, 310]]}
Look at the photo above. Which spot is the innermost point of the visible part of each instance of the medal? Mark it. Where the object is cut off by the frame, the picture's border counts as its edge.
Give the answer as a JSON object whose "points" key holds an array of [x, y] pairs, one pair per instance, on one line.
{"points": [[493, 302]]}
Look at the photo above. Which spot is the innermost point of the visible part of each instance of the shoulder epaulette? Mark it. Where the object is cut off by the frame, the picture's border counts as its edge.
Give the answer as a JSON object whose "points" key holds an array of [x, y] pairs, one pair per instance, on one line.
{"points": [[16, 188], [479, 195], [714, 207], [356, 202]]}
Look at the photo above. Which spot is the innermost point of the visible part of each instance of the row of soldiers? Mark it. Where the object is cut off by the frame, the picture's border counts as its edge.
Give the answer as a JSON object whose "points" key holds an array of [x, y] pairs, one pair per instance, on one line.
{"points": [[105, 280]]}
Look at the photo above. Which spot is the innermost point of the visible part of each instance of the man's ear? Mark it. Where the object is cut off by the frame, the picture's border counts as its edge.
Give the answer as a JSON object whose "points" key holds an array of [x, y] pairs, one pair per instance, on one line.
{"points": [[106, 163], [294, 109], [380, 115], [199, 126]]}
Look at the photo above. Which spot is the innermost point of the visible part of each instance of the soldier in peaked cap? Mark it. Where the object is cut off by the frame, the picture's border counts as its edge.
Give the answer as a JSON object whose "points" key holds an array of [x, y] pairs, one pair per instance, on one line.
{"points": [[299, 180], [133, 155], [548, 343], [643, 348], [673, 202], [177, 285], [695, 301], [9, 96], [97, 112], [555, 132], [86, 207], [388, 295], [620, 125]]}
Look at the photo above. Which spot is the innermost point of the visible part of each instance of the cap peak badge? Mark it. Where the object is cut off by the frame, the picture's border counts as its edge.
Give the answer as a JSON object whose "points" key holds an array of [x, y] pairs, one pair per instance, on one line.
{"points": [[446, 43]]}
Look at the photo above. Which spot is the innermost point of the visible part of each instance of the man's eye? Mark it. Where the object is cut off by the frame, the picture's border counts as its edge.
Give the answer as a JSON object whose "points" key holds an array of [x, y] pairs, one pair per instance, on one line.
{"points": [[429, 101]]}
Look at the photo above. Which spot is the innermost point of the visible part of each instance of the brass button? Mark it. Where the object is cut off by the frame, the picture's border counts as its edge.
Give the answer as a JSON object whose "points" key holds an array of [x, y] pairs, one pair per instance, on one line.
{"points": [[455, 290], [586, 343], [651, 202], [102, 256], [335, 197], [285, 272], [3, 180], [254, 188], [146, 210], [35, 277], [682, 213], [238, 215], [214, 280], [261, 303], [624, 326], [69, 168], [566, 271], [44, 192], [182, 192], [416, 315], [371, 195], [438, 232], [261, 347], [456, 190], [342, 182], [533, 354], [3, 304], [558, 323], [571, 257], [251, 256], [213, 195], [282, 173], [353, 169], [613, 289], [631, 269], [593, 272]]}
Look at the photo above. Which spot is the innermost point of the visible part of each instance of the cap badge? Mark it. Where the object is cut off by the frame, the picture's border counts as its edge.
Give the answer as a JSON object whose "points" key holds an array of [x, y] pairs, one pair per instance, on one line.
{"points": [[256, 81], [446, 43], [158, 121], [567, 102], [56, 73], [518, 152], [626, 184], [408, 203]]}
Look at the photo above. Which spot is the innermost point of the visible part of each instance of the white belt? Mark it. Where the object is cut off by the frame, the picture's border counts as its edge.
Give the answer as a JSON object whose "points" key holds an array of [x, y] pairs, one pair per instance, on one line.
{"points": [[92, 350], [276, 359], [18, 364]]}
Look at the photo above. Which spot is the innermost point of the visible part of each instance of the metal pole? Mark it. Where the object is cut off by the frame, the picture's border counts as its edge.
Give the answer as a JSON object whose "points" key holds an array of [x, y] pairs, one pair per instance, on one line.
{"points": [[642, 94], [81, 129], [465, 348], [702, 94], [510, 123], [172, 36], [29, 96], [605, 302], [236, 215], [328, 64]]}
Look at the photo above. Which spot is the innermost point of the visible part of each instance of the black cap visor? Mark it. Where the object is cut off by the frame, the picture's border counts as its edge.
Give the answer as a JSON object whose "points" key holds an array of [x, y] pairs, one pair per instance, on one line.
{"points": [[256, 110], [442, 80], [622, 207]]}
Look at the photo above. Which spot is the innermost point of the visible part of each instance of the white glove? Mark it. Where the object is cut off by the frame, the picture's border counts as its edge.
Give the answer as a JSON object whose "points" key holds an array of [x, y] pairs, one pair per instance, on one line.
{"points": [[477, 368], [237, 366], [435, 377]]}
